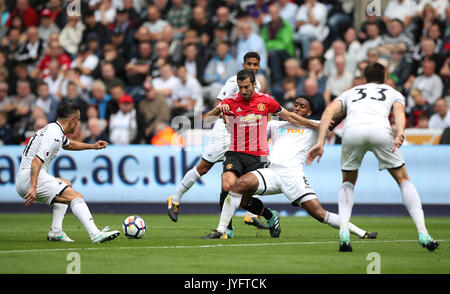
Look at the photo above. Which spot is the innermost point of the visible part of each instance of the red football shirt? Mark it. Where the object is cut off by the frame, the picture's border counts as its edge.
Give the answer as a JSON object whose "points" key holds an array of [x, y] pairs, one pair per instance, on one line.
{"points": [[248, 126]]}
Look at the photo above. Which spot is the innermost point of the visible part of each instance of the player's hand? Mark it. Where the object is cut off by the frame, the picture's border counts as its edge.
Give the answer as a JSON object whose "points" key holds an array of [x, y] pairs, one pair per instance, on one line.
{"points": [[100, 144], [225, 109], [398, 141], [30, 197], [316, 151]]}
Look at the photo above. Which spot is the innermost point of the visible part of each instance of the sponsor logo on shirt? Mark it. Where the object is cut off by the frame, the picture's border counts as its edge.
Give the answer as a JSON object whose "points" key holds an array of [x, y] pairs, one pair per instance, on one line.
{"points": [[250, 118], [282, 131]]}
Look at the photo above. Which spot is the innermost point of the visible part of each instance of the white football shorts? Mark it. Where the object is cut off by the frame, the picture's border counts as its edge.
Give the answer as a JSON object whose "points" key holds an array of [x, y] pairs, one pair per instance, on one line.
{"points": [[47, 187], [356, 141], [218, 143], [291, 182]]}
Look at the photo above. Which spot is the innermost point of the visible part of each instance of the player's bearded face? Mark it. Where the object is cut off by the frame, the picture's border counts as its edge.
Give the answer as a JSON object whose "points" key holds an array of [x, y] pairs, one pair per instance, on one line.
{"points": [[246, 88]]}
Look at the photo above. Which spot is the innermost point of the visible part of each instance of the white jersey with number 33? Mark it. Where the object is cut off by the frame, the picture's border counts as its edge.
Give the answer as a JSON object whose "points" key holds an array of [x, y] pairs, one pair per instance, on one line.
{"points": [[369, 104]]}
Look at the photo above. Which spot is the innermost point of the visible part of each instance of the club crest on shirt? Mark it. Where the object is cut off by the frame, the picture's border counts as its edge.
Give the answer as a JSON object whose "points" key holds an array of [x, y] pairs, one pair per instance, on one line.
{"points": [[229, 166], [261, 106]]}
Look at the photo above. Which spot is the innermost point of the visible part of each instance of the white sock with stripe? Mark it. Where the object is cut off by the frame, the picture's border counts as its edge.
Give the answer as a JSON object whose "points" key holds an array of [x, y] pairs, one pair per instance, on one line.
{"points": [[59, 211]]}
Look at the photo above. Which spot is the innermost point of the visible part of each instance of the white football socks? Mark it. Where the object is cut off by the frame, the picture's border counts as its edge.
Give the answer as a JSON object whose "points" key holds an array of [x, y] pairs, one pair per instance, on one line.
{"points": [[188, 181], [345, 201], [412, 202], [334, 221], [82, 213], [230, 205], [59, 211]]}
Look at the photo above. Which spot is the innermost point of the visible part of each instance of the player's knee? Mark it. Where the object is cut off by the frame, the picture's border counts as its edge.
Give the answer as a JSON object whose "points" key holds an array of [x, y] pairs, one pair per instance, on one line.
{"points": [[242, 185]]}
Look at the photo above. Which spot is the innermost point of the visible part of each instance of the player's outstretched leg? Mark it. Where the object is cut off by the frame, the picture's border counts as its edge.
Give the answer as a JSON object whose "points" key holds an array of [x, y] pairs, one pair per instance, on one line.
{"points": [[411, 200], [188, 181], [315, 209], [82, 213]]}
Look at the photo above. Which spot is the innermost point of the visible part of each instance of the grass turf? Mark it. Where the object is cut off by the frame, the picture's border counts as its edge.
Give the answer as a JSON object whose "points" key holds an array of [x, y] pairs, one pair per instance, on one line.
{"points": [[304, 247]]}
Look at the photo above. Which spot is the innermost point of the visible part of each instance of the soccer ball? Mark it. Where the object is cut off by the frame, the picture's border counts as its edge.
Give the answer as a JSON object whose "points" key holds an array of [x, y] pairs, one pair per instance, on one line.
{"points": [[134, 227]]}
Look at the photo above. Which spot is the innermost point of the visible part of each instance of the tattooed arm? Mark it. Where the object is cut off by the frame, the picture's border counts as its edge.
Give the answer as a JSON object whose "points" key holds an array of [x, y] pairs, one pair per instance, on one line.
{"points": [[36, 165]]}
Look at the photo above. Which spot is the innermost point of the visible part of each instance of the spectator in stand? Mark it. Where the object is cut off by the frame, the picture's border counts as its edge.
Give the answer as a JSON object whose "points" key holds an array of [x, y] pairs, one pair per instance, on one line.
{"points": [[421, 106], [315, 71], [352, 44], [311, 25], [290, 93], [4, 99], [108, 76], [58, 16], [86, 61], [110, 55], [47, 25], [95, 132], [112, 106], [441, 119], [73, 95], [429, 83], [187, 95], [249, 41], [94, 27], [399, 66], [123, 124], [26, 12], [166, 136], [278, 37], [99, 98], [219, 69], [10, 43], [339, 81], [258, 11], [151, 111], [46, 101], [288, 12], [194, 62], [404, 10], [123, 22], [395, 36], [54, 52], [373, 41], [55, 78], [425, 49], [19, 107], [311, 90], [166, 83], [292, 71], [106, 13], [156, 25], [202, 25], [71, 35], [162, 57], [338, 48], [137, 69], [179, 17], [423, 121], [6, 134], [31, 50], [223, 20]]}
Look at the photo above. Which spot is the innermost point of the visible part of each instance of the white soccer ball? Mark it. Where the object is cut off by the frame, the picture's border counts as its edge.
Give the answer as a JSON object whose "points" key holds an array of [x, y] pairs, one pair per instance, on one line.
{"points": [[134, 227]]}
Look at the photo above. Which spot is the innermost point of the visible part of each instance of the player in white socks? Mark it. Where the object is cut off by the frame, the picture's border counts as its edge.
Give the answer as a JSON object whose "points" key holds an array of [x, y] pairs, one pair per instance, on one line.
{"points": [[284, 175], [367, 128], [33, 183], [214, 151]]}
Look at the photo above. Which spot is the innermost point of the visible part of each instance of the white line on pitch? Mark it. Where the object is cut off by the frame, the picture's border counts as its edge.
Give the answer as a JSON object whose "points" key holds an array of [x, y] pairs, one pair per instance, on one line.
{"points": [[202, 246]]}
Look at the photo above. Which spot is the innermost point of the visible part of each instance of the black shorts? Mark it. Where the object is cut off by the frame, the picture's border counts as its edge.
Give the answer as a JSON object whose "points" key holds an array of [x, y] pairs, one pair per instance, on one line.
{"points": [[242, 163]]}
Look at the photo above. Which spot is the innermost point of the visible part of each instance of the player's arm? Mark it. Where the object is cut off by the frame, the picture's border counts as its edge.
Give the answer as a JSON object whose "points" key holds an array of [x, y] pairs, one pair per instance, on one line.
{"points": [[337, 119], [296, 119], [317, 150], [36, 165], [400, 120], [77, 146]]}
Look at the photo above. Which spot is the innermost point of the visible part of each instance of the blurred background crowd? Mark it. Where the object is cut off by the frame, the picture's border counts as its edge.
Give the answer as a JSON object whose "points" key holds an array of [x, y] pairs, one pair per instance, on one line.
{"points": [[134, 65]]}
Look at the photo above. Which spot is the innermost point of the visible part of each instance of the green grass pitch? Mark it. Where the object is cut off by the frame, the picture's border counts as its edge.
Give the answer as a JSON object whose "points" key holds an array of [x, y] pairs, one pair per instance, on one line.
{"points": [[304, 247]]}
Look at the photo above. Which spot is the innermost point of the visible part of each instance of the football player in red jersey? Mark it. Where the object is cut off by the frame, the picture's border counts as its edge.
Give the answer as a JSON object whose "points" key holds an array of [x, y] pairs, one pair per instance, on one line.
{"points": [[247, 114]]}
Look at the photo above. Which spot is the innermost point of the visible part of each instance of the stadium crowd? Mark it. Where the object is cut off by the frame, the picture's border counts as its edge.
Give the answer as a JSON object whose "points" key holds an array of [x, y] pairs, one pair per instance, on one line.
{"points": [[133, 65]]}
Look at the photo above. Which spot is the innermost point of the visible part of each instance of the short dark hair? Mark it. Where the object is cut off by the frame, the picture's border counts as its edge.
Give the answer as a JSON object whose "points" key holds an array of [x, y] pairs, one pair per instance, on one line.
{"points": [[309, 99], [66, 109], [375, 73], [242, 75], [252, 54]]}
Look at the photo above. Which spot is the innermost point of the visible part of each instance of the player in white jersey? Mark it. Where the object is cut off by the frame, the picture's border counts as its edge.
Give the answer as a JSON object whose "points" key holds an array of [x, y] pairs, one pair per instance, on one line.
{"points": [[34, 183], [285, 174], [216, 148], [367, 128]]}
